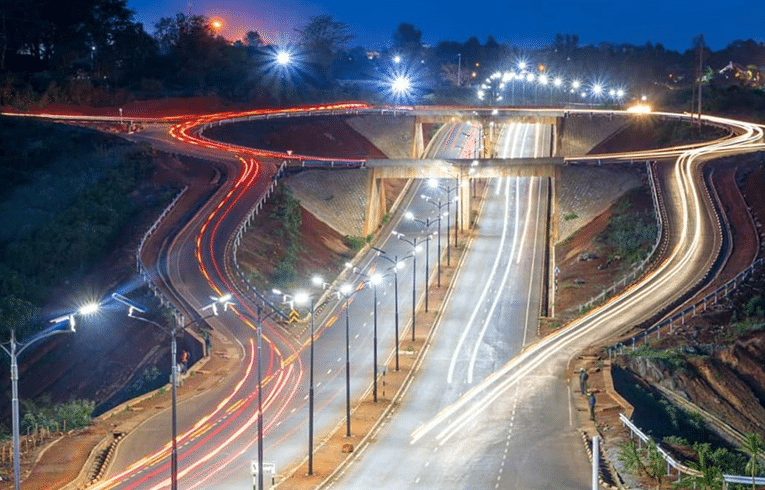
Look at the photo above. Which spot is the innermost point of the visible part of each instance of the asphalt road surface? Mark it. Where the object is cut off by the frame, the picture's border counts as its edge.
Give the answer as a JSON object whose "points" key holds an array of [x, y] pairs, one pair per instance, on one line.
{"points": [[523, 438], [489, 409]]}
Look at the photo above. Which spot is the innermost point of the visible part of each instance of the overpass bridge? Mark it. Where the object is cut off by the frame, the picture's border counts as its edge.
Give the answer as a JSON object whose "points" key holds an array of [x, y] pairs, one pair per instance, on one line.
{"points": [[461, 170]]}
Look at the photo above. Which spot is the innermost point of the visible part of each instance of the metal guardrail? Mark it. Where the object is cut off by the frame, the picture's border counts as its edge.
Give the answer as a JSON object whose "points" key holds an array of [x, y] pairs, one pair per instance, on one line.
{"points": [[681, 468], [746, 480], [242, 229], [642, 438], [633, 274], [144, 272], [701, 305]]}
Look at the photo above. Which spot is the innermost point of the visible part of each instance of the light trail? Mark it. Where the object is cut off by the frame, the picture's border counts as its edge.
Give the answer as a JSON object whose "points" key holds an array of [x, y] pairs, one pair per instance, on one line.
{"points": [[482, 298], [639, 300]]}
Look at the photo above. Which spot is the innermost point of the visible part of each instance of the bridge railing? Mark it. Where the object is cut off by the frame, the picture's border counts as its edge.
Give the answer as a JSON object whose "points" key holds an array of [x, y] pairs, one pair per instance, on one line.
{"points": [[640, 267]]}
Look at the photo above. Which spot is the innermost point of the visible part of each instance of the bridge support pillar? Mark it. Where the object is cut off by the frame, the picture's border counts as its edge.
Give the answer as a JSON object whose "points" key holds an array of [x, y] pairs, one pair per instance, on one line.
{"points": [[376, 208], [464, 181], [418, 142], [488, 139]]}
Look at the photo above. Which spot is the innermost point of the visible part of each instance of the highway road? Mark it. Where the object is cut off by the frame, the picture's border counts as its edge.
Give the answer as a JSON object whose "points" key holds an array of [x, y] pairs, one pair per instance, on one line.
{"points": [[217, 428], [492, 314], [530, 385], [505, 409]]}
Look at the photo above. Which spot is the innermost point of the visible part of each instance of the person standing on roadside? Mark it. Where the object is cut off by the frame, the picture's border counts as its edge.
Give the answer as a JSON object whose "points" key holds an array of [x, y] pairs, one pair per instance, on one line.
{"points": [[583, 381], [184, 361]]}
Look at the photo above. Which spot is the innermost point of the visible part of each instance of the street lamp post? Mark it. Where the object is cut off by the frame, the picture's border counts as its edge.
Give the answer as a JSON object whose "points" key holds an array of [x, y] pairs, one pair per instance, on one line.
{"points": [[173, 332], [375, 280], [14, 350], [438, 204], [283, 60], [259, 313], [302, 298], [426, 223], [415, 249], [396, 266], [346, 291]]}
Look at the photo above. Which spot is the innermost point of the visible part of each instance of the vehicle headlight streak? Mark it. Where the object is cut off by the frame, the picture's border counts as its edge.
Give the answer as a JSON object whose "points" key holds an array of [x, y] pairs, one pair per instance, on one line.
{"points": [[610, 317], [496, 383]]}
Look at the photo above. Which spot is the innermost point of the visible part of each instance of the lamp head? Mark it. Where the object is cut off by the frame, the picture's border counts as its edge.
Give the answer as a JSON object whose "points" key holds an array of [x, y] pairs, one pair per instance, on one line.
{"points": [[302, 298]]}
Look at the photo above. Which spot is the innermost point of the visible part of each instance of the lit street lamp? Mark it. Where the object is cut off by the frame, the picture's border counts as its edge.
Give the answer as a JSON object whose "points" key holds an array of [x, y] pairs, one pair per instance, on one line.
{"points": [[346, 291], [302, 298], [375, 280], [438, 204], [283, 60], [396, 266], [64, 324], [133, 307], [426, 223], [415, 249]]}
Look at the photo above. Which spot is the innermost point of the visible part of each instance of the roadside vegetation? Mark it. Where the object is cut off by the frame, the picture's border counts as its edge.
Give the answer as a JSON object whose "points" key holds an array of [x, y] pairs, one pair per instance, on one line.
{"points": [[682, 432], [56, 417], [68, 196], [287, 215], [629, 234]]}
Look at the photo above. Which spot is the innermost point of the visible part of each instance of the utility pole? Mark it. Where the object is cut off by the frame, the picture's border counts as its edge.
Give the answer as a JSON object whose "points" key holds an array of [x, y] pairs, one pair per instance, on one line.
{"points": [[459, 68], [701, 71], [698, 42]]}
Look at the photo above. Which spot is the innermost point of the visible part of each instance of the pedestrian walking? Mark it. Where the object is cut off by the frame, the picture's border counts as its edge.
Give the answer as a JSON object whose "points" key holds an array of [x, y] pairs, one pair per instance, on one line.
{"points": [[583, 381], [592, 406]]}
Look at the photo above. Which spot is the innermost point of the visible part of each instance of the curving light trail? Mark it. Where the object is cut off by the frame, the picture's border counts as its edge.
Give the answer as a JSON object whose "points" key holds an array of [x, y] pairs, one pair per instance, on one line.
{"points": [[685, 265]]}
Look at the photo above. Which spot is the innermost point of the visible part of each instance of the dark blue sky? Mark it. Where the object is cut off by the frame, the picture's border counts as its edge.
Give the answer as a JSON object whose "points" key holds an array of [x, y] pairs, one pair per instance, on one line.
{"points": [[674, 23]]}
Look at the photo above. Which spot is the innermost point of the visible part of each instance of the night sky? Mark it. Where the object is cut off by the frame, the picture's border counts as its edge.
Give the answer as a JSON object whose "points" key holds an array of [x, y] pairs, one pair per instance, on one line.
{"points": [[673, 23]]}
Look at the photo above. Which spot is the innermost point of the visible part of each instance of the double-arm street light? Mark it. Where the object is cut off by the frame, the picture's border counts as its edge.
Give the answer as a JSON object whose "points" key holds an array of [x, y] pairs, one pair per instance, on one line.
{"points": [[433, 183], [375, 280], [283, 61], [427, 222], [259, 319], [134, 307], [346, 291], [63, 324], [415, 249], [395, 267], [440, 205], [302, 298]]}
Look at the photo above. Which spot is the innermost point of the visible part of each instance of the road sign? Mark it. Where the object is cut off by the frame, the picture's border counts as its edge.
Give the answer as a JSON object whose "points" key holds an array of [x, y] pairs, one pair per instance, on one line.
{"points": [[268, 468], [294, 316]]}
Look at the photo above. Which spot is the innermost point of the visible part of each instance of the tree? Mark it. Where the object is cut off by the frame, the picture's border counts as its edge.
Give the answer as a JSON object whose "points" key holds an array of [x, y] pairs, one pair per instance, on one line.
{"points": [[15, 315], [63, 36], [407, 38], [194, 57], [253, 40], [753, 446], [322, 38], [645, 461], [709, 476]]}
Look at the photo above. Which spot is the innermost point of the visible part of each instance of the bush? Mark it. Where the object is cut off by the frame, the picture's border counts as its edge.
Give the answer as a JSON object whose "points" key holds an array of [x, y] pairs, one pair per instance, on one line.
{"points": [[71, 415], [755, 307]]}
